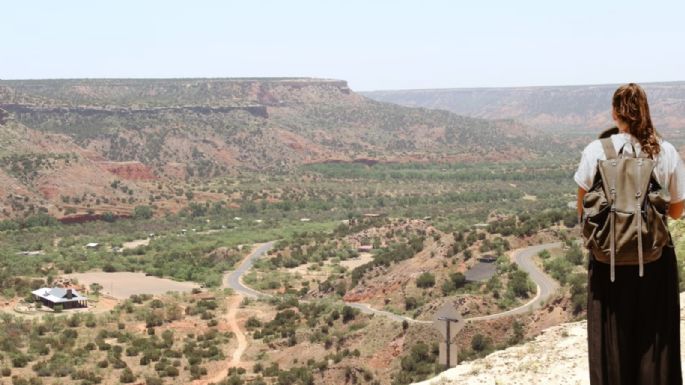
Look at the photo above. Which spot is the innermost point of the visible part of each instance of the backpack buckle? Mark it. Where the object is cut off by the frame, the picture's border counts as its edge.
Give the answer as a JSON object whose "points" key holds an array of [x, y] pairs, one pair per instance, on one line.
{"points": [[638, 194]]}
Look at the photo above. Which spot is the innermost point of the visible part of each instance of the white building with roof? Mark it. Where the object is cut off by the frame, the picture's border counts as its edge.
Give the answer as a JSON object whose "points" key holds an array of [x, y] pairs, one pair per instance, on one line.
{"points": [[68, 298]]}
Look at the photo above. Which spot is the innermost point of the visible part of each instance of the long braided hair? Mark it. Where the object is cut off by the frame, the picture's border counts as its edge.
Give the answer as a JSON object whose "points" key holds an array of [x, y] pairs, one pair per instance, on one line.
{"points": [[631, 107]]}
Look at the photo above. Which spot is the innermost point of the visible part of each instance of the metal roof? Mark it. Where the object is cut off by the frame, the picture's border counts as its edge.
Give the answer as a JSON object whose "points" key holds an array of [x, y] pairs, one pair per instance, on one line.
{"points": [[58, 294]]}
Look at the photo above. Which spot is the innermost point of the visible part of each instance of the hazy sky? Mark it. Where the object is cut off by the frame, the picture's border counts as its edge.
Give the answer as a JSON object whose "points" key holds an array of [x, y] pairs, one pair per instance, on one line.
{"points": [[372, 44]]}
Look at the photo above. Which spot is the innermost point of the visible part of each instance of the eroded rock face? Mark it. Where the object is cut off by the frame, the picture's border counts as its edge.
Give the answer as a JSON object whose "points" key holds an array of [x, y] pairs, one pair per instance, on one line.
{"points": [[130, 170]]}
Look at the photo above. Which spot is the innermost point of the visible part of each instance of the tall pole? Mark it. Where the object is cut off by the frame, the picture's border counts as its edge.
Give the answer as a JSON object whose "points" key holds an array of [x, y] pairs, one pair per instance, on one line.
{"points": [[447, 345]]}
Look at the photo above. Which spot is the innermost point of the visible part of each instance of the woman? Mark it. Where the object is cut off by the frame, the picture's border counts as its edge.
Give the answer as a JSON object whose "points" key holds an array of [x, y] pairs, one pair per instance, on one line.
{"points": [[634, 322]]}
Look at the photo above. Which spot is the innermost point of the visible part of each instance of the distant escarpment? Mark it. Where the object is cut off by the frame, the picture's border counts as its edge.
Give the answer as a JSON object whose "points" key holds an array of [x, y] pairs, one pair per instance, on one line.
{"points": [[554, 108], [215, 126], [109, 145]]}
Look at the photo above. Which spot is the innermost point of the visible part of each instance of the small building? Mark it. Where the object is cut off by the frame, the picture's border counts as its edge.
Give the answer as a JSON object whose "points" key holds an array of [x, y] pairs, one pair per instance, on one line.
{"points": [[305, 220], [372, 215], [92, 245], [365, 248], [68, 298], [31, 253]]}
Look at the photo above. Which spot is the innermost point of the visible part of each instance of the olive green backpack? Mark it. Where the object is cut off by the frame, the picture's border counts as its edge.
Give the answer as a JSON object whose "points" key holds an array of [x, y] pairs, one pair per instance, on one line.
{"points": [[624, 213]]}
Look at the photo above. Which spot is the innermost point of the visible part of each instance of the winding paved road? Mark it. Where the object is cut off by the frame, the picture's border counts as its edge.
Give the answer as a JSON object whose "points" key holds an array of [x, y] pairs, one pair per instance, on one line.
{"points": [[235, 278], [546, 286]]}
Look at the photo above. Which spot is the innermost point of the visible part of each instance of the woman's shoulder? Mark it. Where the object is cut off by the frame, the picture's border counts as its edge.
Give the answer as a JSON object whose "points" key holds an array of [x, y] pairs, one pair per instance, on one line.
{"points": [[667, 146], [668, 152], [594, 148]]}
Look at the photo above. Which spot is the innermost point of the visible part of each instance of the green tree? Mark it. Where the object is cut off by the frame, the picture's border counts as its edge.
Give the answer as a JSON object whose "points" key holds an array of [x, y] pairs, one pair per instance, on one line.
{"points": [[142, 212], [95, 288], [574, 254]]}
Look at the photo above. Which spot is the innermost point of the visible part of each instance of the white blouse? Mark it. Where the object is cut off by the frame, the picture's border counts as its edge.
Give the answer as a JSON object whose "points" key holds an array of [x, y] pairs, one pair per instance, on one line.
{"points": [[669, 170]]}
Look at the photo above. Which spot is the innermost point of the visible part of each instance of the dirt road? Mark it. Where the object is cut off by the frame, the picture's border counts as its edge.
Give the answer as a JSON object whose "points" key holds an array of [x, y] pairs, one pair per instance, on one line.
{"points": [[232, 305]]}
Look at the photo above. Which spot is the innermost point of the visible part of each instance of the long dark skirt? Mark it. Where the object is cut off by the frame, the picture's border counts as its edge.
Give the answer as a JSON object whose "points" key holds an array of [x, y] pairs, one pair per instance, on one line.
{"points": [[634, 324]]}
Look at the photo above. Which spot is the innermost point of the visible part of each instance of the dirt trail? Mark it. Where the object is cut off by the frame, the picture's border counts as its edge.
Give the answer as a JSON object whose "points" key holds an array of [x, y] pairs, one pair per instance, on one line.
{"points": [[232, 306]]}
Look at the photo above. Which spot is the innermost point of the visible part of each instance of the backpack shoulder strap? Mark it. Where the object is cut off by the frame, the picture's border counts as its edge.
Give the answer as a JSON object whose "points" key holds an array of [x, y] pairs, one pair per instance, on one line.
{"points": [[609, 149]]}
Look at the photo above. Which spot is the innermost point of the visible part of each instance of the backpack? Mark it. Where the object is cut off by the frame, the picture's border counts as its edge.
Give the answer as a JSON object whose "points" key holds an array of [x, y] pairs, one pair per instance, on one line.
{"points": [[624, 212]]}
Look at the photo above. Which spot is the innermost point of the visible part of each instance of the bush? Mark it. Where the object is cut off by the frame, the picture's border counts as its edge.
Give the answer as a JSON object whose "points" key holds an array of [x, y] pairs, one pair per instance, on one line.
{"points": [[519, 285], [170, 371], [153, 381], [558, 268], [410, 303], [578, 283], [19, 361], [458, 279], [127, 376], [544, 254], [252, 323], [142, 212], [574, 255], [480, 343], [349, 313], [425, 280]]}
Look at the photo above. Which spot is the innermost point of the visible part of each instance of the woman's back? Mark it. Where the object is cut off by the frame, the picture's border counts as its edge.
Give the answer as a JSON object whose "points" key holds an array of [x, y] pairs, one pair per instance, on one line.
{"points": [[669, 170], [634, 322]]}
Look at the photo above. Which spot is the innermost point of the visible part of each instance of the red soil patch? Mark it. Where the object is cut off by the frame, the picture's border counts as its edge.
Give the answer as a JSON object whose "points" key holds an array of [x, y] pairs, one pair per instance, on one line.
{"points": [[129, 170]]}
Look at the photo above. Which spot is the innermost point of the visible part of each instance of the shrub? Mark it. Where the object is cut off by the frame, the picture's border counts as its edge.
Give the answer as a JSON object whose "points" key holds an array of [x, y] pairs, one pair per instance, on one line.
{"points": [[252, 323], [574, 255], [425, 280], [480, 343], [142, 212], [349, 313], [410, 303], [127, 376], [19, 361]]}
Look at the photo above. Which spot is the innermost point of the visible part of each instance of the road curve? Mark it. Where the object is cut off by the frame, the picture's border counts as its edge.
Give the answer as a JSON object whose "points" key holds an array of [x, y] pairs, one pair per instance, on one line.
{"points": [[235, 278], [546, 286]]}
